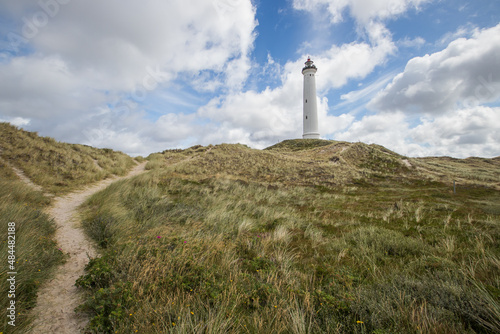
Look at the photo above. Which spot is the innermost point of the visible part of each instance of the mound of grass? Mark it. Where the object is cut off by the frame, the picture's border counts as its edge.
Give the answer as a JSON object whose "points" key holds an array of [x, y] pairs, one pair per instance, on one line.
{"points": [[59, 167], [234, 240], [242, 163], [293, 145]]}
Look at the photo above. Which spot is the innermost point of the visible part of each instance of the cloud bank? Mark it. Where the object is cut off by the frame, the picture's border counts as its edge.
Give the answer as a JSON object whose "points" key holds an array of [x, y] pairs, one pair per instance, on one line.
{"points": [[145, 76], [465, 74], [446, 94]]}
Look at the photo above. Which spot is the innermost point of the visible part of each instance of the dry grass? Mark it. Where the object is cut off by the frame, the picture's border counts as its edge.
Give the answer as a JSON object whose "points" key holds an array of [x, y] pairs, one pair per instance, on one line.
{"points": [[304, 237], [59, 167], [287, 240], [466, 172], [36, 253]]}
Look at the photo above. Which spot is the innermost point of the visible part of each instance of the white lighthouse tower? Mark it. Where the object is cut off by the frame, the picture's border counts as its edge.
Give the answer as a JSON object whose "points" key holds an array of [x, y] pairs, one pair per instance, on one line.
{"points": [[310, 107]]}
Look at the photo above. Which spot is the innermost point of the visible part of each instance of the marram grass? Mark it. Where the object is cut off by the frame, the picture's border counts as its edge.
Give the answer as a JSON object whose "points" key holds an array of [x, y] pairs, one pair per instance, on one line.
{"points": [[37, 255], [338, 238], [59, 167]]}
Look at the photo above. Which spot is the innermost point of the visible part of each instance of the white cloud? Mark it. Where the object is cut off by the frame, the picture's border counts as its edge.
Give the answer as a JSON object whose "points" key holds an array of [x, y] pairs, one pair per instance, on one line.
{"points": [[17, 121], [416, 42], [42, 87], [465, 74], [461, 133], [71, 62], [462, 31], [350, 61], [363, 11], [390, 132], [434, 106], [365, 93], [123, 37], [173, 127], [108, 46], [265, 116]]}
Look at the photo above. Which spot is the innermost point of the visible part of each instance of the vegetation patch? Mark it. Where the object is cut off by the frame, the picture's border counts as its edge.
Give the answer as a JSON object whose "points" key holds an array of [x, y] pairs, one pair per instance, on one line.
{"points": [[59, 167], [37, 255], [230, 239], [294, 145]]}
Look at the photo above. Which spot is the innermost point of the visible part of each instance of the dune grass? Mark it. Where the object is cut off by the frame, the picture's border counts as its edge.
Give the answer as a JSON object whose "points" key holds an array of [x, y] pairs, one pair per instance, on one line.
{"points": [[229, 239], [298, 145], [36, 254], [477, 171], [59, 167]]}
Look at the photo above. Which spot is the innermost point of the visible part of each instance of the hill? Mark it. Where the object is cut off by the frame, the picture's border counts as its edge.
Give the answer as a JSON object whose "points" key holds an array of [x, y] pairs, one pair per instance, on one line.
{"points": [[58, 167], [305, 236], [323, 163]]}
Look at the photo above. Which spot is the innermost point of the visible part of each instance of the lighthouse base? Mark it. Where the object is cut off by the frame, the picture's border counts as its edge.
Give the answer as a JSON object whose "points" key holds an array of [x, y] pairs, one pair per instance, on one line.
{"points": [[310, 135]]}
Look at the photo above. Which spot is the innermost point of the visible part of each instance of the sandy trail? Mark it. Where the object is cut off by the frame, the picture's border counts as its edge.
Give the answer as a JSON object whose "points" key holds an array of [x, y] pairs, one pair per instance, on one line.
{"points": [[58, 298], [20, 174]]}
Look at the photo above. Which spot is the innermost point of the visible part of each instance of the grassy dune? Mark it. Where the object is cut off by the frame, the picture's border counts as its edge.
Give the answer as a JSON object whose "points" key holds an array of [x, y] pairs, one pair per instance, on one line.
{"points": [[59, 167], [304, 237]]}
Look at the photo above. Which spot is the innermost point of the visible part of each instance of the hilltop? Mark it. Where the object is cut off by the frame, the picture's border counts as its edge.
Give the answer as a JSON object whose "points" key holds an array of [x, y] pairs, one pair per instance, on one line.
{"points": [[305, 236], [326, 163]]}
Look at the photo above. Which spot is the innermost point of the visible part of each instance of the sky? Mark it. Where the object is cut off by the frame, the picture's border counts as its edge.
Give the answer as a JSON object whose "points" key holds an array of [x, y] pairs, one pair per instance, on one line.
{"points": [[420, 77]]}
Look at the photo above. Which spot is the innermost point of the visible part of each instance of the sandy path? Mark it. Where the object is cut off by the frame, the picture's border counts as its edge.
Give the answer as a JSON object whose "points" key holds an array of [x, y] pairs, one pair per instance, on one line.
{"points": [[20, 174], [58, 298]]}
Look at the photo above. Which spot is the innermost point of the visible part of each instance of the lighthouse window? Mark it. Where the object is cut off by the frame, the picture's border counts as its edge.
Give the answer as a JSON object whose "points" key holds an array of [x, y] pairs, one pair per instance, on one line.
{"points": [[306, 100], [306, 117]]}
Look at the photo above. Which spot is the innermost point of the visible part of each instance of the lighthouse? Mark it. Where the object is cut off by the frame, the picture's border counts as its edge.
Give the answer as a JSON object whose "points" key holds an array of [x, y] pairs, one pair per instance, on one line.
{"points": [[310, 108]]}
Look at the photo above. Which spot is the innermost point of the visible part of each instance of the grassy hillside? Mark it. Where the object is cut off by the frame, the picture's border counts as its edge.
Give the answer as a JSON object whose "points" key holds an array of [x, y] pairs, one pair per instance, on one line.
{"points": [[58, 167], [304, 237]]}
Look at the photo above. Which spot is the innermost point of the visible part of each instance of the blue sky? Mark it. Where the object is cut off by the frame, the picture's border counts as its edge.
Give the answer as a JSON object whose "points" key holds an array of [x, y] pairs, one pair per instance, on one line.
{"points": [[421, 77]]}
